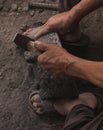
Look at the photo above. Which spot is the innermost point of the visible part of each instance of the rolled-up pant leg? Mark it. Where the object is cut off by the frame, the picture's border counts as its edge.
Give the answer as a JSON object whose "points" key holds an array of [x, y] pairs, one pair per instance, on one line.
{"points": [[79, 116], [83, 117]]}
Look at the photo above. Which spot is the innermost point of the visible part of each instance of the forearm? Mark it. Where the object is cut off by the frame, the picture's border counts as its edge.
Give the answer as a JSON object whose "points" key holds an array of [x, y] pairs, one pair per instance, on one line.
{"points": [[88, 70], [85, 7]]}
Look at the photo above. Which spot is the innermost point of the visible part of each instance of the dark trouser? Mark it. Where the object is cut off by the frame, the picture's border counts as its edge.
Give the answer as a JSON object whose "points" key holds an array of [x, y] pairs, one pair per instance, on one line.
{"points": [[83, 118], [67, 4]]}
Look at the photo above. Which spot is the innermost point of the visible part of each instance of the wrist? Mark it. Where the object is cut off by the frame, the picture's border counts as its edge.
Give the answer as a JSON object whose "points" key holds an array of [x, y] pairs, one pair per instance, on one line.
{"points": [[77, 67], [84, 7], [70, 64], [74, 16]]}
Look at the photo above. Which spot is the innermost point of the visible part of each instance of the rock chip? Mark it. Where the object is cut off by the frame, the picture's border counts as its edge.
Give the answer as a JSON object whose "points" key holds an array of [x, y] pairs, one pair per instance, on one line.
{"points": [[14, 7], [32, 13], [24, 27], [25, 8], [19, 9], [12, 13], [6, 8]]}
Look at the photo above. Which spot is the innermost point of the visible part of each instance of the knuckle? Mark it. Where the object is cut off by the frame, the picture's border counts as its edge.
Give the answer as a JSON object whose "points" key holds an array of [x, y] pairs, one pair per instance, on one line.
{"points": [[51, 24], [40, 59], [51, 19]]}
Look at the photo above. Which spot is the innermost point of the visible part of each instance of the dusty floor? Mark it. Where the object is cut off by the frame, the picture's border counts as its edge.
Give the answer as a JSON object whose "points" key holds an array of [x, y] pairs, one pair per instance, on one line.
{"points": [[15, 73]]}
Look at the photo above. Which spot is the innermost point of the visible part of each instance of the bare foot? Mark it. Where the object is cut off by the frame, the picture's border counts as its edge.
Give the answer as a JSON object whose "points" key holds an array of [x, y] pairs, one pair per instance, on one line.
{"points": [[64, 106], [37, 104]]}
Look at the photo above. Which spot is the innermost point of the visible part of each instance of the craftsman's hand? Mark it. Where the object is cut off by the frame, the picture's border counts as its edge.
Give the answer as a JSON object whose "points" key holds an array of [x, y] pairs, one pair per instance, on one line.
{"points": [[64, 21], [57, 23], [54, 59]]}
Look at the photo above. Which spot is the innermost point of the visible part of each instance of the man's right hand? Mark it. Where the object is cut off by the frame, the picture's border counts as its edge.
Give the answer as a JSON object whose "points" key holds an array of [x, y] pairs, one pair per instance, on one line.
{"points": [[54, 59], [57, 23]]}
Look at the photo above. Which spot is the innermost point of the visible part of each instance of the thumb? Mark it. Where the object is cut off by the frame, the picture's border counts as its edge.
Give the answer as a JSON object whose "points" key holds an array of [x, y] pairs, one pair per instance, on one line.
{"points": [[41, 46], [42, 31]]}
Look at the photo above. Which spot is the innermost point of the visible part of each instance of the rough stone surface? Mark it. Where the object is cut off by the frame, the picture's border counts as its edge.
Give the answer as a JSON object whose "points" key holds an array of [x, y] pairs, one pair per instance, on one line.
{"points": [[53, 37]]}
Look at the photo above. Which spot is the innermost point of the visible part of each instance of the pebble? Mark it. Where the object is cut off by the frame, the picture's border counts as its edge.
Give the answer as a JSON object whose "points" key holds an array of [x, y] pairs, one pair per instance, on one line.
{"points": [[24, 27], [14, 7], [20, 9], [17, 128], [12, 13], [32, 13], [25, 8], [6, 8]]}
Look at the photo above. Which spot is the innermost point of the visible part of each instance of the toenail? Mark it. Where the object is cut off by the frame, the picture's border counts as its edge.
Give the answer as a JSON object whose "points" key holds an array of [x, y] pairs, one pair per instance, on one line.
{"points": [[35, 104], [34, 98]]}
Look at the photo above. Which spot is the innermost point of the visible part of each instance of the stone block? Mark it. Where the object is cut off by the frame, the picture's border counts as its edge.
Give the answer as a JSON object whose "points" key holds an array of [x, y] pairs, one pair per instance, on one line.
{"points": [[49, 38]]}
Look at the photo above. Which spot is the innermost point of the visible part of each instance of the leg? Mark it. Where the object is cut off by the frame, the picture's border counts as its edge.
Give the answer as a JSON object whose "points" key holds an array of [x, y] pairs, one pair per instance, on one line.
{"points": [[64, 106]]}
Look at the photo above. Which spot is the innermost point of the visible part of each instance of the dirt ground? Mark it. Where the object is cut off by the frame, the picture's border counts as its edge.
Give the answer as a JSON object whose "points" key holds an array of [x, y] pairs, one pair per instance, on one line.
{"points": [[15, 73]]}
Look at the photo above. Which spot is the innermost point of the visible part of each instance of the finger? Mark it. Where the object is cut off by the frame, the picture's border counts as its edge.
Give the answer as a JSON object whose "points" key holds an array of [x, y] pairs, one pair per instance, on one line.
{"points": [[38, 53], [42, 31], [41, 46], [27, 31]]}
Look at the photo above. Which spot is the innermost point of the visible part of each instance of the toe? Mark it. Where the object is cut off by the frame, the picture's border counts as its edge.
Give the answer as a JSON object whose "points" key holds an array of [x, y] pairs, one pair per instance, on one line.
{"points": [[38, 108], [39, 111], [37, 105], [35, 98]]}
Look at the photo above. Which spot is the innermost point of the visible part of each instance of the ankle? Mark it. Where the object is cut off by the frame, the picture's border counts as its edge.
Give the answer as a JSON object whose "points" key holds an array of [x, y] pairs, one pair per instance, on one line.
{"points": [[88, 99]]}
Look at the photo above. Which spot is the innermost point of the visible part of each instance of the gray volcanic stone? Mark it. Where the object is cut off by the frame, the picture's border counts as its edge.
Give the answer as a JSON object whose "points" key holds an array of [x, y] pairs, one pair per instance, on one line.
{"points": [[49, 38]]}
